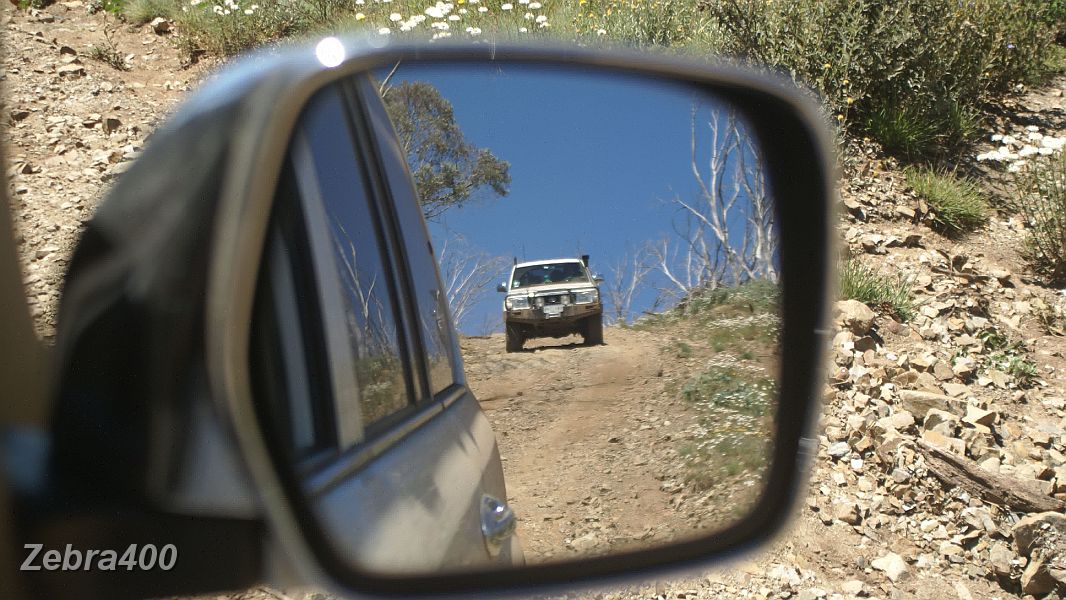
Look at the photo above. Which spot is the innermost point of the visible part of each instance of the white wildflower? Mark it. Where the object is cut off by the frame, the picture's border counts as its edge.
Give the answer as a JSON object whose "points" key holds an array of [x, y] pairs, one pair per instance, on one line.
{"points": [[522, 30], [454, 17], [463, 11], [601, 32], [528, 16], [1032, 128], [482, 9], [506, 6], [1055, 143], [384, 31], [1027, 150], [395, 17], [473, 30], [535, 5], [436, 12], [542, 19], [997, 137]]}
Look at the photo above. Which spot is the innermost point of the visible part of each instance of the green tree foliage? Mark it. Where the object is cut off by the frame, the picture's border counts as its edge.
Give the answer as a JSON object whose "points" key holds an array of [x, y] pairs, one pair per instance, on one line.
{"points": [[447, 169]]}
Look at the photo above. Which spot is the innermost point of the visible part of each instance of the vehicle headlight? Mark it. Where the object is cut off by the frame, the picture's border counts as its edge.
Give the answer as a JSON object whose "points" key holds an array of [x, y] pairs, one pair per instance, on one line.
{"points": [[586, 296], [517, 302]]}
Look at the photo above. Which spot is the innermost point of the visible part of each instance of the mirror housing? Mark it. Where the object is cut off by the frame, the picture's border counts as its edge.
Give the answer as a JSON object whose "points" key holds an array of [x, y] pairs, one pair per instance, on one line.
{"points": [[502, 287], [797, 159], [260, 100]]}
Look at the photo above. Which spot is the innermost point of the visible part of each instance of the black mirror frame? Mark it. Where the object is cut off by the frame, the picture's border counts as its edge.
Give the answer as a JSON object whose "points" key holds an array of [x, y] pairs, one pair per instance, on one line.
{"points": [[797, 150]]}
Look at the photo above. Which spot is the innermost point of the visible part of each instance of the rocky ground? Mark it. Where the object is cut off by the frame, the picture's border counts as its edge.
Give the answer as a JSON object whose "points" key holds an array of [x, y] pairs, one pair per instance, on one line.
{"points": [[73, 123], [942, 466]]}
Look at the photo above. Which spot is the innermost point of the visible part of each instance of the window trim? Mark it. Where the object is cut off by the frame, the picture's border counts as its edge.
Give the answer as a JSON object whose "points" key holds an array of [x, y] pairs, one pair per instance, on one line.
{"points": [[378, 179], [348, 416]]}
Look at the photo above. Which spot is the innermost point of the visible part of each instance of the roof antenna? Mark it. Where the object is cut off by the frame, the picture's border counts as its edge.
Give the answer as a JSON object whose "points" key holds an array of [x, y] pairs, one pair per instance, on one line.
{"points": [[515, 258]]}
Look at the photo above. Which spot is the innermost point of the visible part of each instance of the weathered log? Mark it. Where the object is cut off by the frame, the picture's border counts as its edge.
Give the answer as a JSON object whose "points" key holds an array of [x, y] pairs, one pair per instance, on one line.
{"points": [[1011, 493]]}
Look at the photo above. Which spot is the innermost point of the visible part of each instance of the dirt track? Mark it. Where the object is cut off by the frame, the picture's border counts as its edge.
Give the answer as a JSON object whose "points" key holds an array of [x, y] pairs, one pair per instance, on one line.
{"points": [[590, 440]]}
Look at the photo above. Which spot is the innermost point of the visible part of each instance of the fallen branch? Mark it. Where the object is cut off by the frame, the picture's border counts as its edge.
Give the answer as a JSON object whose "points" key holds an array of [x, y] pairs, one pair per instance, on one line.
{"points": [[1008, 492]]}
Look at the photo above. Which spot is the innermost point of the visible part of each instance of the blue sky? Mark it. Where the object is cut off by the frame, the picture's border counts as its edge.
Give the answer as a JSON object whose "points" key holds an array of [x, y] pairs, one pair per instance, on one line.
{"points": [[594, 160]]}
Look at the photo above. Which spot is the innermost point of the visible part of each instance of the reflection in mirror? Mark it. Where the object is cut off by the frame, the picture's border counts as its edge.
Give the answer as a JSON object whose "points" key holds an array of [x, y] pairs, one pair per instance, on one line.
{"points": [[609, 256], [663, 430]]}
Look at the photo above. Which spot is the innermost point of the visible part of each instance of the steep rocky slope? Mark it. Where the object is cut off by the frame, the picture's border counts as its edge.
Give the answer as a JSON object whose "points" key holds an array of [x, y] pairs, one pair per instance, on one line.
{"points": [[72, 123]]}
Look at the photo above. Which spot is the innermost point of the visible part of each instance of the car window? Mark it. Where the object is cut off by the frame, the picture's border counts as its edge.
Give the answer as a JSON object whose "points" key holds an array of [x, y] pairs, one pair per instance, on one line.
{"points": [[368, 302], [286, 346], [566, 272], [441, 346]]}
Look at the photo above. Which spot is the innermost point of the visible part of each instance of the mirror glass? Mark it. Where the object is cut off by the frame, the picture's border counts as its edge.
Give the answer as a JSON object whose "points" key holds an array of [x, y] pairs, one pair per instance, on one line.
{"points": [[608, 259]]}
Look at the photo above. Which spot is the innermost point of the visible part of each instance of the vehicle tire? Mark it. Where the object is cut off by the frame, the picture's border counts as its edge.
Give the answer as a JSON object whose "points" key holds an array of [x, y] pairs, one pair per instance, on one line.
{"points": [[515, 339], [594, 331]]}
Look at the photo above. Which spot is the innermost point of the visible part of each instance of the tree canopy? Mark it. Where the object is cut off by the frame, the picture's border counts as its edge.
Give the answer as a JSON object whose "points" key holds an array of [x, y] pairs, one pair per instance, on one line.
{"points": [[447, 169]]}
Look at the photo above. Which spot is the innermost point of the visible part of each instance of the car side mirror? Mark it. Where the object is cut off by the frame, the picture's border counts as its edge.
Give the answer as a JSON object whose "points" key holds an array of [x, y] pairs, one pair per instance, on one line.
{"points": [[597, 278], [332, 339]]}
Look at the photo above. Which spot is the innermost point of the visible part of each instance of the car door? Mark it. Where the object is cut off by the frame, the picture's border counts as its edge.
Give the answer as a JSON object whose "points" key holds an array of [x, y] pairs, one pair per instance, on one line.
{"points": [[356, 351]]}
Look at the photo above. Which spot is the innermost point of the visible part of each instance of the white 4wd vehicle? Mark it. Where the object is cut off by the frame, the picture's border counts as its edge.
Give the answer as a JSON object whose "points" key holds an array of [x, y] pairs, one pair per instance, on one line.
{"points": [[552, 298]]}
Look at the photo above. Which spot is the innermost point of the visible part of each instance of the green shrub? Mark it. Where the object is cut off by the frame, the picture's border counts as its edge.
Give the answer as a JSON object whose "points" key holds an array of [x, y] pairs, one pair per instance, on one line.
{"points": [[1008, 357], [108, 52], [887, 292], [1044, 207], [958, 204], [140, 12], [913, 71]]}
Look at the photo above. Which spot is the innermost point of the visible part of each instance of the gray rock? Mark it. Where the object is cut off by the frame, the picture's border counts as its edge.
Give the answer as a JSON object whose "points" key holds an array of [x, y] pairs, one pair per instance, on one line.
{"points": [[1032, 527], [1036, 579], [892, 565], [856, 316], [980, 416], [839, 450], [941, 421], [160, 25], [1000, 556], [853, 587], [847, 512], [919, 402]]}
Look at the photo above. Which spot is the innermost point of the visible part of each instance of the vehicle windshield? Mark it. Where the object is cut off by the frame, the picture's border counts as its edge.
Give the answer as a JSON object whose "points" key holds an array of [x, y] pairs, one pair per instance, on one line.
{"points": [[563, 272]]}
